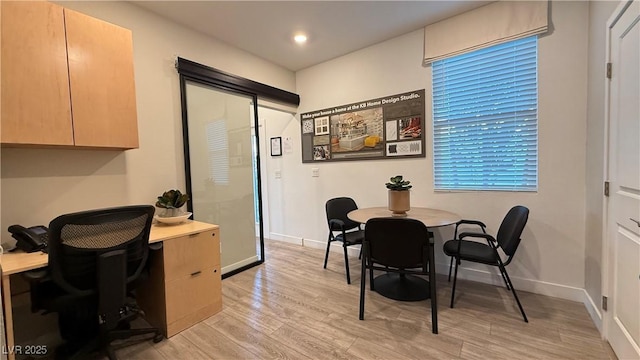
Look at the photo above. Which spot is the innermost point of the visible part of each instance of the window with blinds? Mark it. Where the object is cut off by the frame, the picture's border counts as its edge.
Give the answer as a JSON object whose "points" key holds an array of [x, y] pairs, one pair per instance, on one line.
{"points": [[218, 148], [485, 118]]}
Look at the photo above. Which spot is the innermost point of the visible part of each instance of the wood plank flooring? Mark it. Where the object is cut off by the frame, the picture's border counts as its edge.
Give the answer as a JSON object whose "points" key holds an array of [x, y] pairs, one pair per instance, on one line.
{"points": [[292, 308]]}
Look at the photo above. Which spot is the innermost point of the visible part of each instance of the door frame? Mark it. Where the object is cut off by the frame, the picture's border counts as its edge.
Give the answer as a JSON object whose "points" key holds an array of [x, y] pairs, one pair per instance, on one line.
{"points": [[606, 243], [191, 71]]}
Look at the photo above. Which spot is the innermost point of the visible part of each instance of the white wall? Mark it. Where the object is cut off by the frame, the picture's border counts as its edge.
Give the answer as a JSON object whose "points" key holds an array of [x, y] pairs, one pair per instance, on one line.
{"points": [[599, 13], [552, 254], [39, 184]]}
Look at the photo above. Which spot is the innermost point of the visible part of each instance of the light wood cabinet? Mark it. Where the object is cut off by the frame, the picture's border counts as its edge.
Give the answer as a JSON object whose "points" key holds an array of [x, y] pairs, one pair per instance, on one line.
{"points": [[67, 79], [185, 284], [36, 107]]}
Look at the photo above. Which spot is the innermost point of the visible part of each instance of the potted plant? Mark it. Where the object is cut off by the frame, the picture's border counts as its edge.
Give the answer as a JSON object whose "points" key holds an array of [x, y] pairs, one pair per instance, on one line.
{"points": [[399, 200], [171, 201]]}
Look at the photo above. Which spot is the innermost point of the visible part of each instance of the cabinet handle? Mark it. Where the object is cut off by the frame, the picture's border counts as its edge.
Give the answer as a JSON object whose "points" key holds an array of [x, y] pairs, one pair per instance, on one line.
{"points": [[196, 273], [215, 270], [193, 235], [213, 234]]}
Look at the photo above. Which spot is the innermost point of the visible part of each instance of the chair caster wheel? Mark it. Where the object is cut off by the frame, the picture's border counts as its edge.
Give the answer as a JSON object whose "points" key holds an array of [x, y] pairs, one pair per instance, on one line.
{"points": [[158, 338]]}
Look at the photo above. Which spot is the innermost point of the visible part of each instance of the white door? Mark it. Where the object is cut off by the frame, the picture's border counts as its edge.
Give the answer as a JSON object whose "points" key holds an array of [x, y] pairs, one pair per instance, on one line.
{"points": [[622, 328]]}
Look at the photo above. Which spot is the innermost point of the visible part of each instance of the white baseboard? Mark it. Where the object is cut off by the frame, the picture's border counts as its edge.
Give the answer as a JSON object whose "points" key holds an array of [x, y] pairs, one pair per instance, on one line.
{"points": [[335, 246], [285, 238], [239, 264], [521, 284], [594, 310]]}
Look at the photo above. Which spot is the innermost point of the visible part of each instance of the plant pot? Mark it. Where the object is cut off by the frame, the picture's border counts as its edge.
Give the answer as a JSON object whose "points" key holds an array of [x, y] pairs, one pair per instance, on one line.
{"points": [[399, 202], [170, 212]]}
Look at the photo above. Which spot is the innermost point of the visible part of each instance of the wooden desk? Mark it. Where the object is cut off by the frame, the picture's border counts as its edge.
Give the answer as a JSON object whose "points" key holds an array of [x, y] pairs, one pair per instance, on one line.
{"points": [[17, 262], [405, 287]]}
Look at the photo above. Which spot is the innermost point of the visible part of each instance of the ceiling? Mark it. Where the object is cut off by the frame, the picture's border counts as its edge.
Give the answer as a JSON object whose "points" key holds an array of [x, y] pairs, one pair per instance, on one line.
{"points": [[334, 28]]}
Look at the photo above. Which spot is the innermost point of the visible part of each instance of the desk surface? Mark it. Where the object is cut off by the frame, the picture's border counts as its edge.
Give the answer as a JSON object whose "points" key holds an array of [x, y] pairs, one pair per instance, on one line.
{"points": [[19, 261], [429, 217]]}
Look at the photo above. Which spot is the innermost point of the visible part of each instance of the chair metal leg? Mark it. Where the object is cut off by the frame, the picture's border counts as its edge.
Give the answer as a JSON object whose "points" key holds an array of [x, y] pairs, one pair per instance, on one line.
{"points": [[360, 254], [346, 263], [371, 286], [513, 290], [450, 266], [505, 279], [326, 255], [455, 277], [434, 297], [363, 279]]}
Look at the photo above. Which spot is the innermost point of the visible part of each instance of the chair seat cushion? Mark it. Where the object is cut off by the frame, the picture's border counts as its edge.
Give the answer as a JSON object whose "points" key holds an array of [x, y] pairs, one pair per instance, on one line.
{"points": [[472, 251], [353, 237]]}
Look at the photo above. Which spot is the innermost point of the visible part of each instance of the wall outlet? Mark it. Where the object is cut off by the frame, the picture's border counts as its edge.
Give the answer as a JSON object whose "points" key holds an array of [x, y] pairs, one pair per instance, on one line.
{"points": [[315, 172], [278, 174]]}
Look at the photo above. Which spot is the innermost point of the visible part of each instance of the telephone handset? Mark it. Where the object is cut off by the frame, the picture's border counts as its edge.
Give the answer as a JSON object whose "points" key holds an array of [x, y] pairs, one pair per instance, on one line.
{"points": [[30, 239]]}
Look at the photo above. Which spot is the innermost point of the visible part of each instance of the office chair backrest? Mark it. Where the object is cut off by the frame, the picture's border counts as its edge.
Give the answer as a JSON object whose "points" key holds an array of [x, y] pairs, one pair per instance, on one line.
{"points": [[338, 208], [77, 240], [397, 242], [508, 236]]}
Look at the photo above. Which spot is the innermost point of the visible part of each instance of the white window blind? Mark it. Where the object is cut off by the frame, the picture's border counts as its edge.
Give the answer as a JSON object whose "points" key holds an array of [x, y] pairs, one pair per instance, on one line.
{"points": [[218, 147], [485, 126]]}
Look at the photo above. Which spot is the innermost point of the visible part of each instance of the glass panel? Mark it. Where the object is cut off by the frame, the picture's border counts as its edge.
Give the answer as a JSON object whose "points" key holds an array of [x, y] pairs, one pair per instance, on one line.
{"points": [[222, 169]]}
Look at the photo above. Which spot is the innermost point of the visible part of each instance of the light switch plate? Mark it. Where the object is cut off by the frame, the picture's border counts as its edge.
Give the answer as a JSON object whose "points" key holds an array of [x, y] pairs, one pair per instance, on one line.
{"points": [[278, 174], [315, 172]]}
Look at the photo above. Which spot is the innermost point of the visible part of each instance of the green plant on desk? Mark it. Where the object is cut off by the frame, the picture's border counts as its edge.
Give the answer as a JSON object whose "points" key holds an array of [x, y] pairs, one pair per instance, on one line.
{"points": [[172, 201]]}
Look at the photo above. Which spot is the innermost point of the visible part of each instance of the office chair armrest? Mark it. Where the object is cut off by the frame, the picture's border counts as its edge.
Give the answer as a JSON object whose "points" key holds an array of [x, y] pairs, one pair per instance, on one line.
{"points": [[36, 275], [477, 235], [472, 222]]}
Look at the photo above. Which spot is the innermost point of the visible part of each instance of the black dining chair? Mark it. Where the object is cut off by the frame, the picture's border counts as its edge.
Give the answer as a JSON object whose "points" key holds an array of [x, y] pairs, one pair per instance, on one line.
{"points": [[348, 231], [402, 246], [507, 240]]}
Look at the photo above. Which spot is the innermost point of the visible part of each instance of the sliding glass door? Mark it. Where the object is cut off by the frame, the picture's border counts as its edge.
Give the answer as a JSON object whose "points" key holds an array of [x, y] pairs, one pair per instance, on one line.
{"points": [[220, 156]]}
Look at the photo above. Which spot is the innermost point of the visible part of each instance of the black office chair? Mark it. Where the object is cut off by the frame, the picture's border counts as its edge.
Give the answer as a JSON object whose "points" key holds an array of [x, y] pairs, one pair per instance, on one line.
{"points": [[402, 246], [507, 239], [95, 259], [350, 232]]}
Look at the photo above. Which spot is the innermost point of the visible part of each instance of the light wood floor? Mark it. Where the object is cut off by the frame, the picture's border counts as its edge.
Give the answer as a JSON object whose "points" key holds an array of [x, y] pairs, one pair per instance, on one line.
{"points": [[292, 308]]}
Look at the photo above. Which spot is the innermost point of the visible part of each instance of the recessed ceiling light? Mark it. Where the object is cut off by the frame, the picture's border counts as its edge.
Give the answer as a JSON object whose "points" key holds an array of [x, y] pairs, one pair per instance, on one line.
{"points": [[300, 38]]}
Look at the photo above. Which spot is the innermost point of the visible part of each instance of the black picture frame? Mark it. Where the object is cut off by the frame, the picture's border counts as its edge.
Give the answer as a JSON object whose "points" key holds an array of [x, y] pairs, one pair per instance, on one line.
{"points": [[276, 146]]}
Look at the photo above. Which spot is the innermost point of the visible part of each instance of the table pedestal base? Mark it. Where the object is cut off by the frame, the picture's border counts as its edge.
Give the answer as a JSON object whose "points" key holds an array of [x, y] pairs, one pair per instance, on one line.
{"points": [[402, 287]]}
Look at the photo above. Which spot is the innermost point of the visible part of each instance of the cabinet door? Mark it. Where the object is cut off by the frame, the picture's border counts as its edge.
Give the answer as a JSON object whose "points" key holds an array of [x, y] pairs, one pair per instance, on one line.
{"points": [[35, 84], [102, 83]]}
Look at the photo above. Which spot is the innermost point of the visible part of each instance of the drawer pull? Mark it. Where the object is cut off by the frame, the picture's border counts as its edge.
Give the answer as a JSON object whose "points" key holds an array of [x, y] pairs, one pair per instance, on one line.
{"points": [[196, 273]]}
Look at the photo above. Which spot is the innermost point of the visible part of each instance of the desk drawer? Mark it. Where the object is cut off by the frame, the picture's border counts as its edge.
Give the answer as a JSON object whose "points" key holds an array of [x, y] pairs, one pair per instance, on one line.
{"points": [[189, 254], [188, 295]]}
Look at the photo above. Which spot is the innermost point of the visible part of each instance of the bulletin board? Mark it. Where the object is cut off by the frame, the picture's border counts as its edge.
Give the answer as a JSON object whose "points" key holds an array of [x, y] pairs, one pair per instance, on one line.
{"points": [[383, 128]]}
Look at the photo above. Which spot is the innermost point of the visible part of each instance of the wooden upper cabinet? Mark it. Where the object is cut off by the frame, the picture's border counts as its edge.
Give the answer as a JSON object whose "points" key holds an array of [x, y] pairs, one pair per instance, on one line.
{"points": [[102, 83], [35, 85], [67, 79]]}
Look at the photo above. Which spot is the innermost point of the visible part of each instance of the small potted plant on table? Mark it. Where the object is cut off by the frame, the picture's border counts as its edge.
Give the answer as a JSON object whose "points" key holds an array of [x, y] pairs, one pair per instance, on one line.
{"points": [[171, 201], [399, 200]]}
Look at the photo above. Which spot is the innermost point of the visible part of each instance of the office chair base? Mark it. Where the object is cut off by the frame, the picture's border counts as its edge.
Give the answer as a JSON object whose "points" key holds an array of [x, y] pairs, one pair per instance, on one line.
{"points": [[77, 351]]}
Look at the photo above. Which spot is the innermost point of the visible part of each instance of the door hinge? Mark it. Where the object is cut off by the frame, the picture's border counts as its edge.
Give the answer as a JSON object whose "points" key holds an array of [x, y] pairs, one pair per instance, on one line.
{"points": [[604, 303], [608, 70], [606, 188]]}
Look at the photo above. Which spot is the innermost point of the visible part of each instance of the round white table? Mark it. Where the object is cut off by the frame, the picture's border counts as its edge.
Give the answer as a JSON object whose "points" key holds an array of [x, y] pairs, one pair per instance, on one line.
{"points": [[399, 286]]}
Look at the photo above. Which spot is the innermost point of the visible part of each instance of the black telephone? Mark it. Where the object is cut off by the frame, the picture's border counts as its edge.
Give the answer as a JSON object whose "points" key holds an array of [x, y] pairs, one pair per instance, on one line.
{"points": [[31, 239]]}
